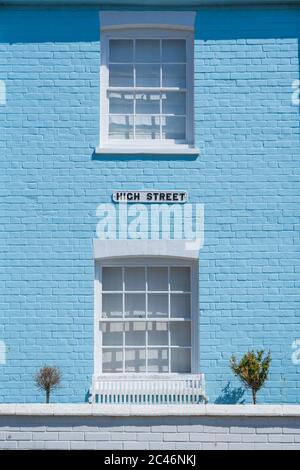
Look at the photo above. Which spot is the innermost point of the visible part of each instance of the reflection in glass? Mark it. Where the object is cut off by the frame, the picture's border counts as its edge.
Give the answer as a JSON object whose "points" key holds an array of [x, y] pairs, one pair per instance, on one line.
{"points": [[147, 103], [121, 75], [120, 127], [121, 50], [135, 305]]}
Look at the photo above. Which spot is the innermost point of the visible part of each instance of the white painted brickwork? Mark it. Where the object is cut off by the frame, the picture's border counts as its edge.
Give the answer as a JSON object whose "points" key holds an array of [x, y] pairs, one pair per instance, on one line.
{"points": [[203, 430]]}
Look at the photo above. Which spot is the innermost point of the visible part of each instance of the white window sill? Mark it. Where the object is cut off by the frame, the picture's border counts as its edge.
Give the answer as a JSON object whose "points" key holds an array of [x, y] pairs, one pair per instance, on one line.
{"points": [[147, 410], [180, 150]]}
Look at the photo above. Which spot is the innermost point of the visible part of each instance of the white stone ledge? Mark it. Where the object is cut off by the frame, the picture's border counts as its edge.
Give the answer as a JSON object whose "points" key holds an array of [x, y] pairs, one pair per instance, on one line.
{"points": [[174, 151], [147, 410]]}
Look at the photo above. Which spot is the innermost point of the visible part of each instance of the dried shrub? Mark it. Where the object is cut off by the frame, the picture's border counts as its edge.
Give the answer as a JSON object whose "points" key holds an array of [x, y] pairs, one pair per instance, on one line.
{"points": [[48, 378]]}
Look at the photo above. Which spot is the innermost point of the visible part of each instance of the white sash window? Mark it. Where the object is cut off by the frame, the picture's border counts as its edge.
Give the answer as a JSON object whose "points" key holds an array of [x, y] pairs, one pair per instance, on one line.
{"points": [[146, 317], [146, 88]]}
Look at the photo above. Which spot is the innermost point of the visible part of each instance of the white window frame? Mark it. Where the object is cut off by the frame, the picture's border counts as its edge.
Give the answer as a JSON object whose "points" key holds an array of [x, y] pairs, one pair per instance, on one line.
{"points": [[142, 262], [147, 146]]}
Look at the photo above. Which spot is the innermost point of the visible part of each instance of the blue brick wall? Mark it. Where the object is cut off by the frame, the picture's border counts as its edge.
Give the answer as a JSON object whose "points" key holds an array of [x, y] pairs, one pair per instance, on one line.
{"points": [[51, 183]]}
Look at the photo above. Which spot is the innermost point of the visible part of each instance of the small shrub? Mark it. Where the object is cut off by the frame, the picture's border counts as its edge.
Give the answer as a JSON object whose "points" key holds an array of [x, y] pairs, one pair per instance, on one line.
{"points": [[252, 370], [48, 379]]}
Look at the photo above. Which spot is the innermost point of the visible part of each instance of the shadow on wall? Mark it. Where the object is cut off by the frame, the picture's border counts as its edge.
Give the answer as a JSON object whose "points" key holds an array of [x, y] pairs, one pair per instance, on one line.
{"points": [[76, 24], [247, 23], [231, 396], [54, 24]]}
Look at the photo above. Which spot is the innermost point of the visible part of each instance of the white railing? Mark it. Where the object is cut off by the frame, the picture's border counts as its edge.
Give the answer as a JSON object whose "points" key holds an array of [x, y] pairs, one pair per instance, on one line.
{"points": [[152, 389]]}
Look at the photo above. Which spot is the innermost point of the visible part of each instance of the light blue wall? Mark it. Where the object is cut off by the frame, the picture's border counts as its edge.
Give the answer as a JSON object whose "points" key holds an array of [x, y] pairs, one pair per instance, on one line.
{"points": [[51, 183]]}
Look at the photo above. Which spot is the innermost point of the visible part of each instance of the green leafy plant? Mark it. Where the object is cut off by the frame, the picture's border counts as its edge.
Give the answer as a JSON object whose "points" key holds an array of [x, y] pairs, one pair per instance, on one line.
{"points": [[252, 370], [48, 379]]}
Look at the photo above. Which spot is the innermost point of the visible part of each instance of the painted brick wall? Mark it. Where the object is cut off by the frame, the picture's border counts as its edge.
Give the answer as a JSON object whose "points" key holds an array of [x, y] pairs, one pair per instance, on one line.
{"points": [[51, 183], [111, 433]]}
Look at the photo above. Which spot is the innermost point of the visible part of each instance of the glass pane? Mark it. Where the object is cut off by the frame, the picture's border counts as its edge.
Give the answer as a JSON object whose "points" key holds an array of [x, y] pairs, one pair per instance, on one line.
{"points": [[120, 103], [121, 75], [147, 75], [180, 306], [135, 360], [158, 360], [111, 305], [135, 305], [157, 305], [181, 360], [147, 127], [121, 50], [135, 334], [112, 279], [147, 103], [180, 279], [174, 75], [112, 334], [174, 50], [112, 360], [121, 127], [173, 128], [174, 102], [181, 334], [135, 279], [157, 333], [157, 279], [147, 50]]}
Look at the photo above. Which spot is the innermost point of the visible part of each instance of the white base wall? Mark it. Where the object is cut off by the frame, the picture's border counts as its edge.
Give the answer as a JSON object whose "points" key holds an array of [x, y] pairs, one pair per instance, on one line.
{"points": [[205, 430]]}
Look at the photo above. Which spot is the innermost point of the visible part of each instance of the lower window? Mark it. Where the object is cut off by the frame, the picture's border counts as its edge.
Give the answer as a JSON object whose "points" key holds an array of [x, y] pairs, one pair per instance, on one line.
{"points": [[146, 322]]}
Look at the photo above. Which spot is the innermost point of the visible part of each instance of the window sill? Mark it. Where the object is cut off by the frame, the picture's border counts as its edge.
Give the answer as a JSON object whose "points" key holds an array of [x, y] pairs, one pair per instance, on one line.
{"points": [[28, 409], [180, 150]]}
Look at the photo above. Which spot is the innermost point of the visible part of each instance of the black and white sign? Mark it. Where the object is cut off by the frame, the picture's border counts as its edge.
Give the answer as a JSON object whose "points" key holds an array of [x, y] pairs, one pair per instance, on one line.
{"points": [[157, 197]]}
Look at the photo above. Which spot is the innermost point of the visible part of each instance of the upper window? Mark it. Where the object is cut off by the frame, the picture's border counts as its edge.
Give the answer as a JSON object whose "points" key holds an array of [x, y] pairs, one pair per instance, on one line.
{"points": [[146, 89]]}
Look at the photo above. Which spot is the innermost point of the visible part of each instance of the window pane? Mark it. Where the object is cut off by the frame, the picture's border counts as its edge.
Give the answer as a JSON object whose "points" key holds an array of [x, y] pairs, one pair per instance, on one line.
{"points": [[180, 279], [112, 360], [147, 103], [135, 305], [120, 103], [135, 334], [112, 279], [112, 334], [157, 279], [121, 75], [147, 50], [180, 306], [157, 333], [181, 360], [135, 360], [157, 305], [174, 103], [147, 75], [111, 305], [174, 75], [173, 127], [135, 279], [158, 360], [121, 127], [181, 334], [147, 127], [121, 50], [174, 50]]}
